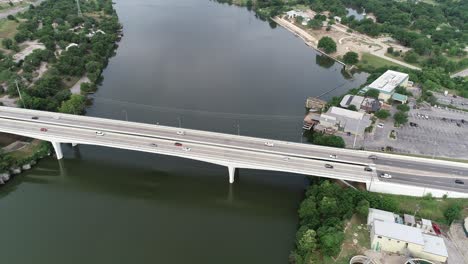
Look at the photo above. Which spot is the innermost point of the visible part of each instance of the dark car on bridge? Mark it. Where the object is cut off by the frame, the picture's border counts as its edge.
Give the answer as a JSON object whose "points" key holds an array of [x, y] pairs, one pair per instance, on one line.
{"points": [[328, 166], [459, 182]]}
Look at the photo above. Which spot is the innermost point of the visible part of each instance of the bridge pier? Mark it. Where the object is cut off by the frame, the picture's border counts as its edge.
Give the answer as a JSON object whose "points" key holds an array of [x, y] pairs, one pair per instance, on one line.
{"points": [[232, 173], [58, 149]]}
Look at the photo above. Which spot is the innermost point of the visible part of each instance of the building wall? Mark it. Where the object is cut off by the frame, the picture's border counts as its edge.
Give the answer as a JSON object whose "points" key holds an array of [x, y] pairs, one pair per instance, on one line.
{"points": [[404, 83], [395, 246], [430, 256], [384, 96]]}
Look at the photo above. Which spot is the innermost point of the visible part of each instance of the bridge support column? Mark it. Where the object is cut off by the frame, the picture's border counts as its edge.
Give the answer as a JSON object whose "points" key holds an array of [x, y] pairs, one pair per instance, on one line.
{"points": [[232, 173], [58, 149], [74, 144]]}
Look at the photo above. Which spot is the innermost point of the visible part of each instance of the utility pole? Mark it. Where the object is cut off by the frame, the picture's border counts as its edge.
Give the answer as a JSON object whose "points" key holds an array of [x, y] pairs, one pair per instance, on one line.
{"points": [[79, 9], [126, 114], [355, 135], [21, 97], [180, 121]]}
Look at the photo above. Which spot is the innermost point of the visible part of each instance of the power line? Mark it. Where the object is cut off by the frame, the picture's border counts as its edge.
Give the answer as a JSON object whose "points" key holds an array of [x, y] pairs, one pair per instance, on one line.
{"points": [[181, 111]]}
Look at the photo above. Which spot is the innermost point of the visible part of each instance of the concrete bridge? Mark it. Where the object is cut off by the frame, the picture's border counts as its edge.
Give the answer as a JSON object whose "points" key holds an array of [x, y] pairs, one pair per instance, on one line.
{"points": [[235, 152]]}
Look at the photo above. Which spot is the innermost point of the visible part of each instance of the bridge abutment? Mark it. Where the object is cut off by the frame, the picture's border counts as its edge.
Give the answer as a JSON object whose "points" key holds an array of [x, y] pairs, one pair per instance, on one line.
{"points": [[58, 149], [232, 173]]}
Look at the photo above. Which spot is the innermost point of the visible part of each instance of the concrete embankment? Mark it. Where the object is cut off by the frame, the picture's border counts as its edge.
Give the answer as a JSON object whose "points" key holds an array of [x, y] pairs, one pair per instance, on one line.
{"points": [[410, 190]]}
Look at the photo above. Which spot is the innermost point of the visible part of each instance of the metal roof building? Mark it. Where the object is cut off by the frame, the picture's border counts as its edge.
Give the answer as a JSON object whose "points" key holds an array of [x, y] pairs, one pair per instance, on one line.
{"points": [[388, 81]]}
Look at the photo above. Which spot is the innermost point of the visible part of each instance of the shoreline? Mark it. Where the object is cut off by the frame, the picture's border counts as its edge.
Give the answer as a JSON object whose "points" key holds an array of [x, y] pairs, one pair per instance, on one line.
{"points": [[308, 39]]}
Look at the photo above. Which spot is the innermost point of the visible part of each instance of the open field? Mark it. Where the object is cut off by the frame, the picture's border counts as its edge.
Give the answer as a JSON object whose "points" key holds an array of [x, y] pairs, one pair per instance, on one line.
{"points": [[369, 60], [7, 28], [430, 208]]}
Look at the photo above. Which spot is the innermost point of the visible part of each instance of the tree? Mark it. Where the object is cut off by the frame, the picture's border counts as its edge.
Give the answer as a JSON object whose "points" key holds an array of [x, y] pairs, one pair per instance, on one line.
{"points": [[390, 50], [351, 57], [453, 212], [328, 140], [411, 57], [7, 43], [400, 118], [403, 108], [422, 46], [314, 24], [352, 108], [374, 93], [327, 44], [382, 114], [75, 105], [362, 208], [307, 242], [330, 241]]}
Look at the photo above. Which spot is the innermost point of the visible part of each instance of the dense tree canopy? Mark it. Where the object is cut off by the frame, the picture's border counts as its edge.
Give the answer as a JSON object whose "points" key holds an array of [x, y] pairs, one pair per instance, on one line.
{"points": [[327, 44]]}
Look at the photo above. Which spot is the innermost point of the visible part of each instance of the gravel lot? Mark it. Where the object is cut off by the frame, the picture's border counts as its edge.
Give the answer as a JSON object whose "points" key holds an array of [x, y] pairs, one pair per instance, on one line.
{"points": [[442, 133]]}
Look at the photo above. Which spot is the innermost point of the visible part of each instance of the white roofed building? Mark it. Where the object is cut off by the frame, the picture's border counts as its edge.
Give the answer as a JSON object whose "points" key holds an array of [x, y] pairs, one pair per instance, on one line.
{"points": [[337, 118], [407, 240], [387, 83]]}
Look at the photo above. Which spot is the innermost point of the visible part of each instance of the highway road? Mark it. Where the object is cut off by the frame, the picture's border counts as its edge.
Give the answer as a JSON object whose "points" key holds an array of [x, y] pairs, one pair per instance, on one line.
{"points": [[195, 151], [410, 170]]}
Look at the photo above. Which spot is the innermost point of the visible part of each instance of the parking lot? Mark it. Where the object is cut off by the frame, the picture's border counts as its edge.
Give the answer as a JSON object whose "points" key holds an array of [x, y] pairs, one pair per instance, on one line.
{"points": [[458, 101], [435, 132]]}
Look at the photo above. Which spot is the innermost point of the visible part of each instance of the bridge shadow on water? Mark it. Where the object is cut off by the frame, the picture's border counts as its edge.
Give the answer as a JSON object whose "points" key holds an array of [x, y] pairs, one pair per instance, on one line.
{"points": [[159, 179]]}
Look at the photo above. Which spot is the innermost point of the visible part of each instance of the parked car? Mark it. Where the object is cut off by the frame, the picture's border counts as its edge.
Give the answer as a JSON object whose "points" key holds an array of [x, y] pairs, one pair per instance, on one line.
{"points": [[413, 124], [43, 129], [178, 144], [333, 156], [328, 166], [180, 132], [99, 133], [385, 176], [269, 144], [380, 125], [436, 228], [35, 117], [457, 181]]}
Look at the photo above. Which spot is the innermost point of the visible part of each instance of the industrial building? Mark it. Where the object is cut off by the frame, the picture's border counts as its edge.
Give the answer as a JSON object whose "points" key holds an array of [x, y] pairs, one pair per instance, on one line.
{"points": [[403, 239], [389, 232], [339, 119]]}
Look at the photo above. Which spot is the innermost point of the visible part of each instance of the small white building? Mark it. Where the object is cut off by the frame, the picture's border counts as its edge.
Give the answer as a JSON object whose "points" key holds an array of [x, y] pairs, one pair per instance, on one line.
{"points": [[403, 239], [380, 215], [350, 99]]}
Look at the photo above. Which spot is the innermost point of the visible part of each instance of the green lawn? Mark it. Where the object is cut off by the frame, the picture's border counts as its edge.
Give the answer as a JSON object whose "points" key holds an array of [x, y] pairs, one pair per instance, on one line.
{"points": [[369, 61], [7, 28], [430, 208], [402, 60]]}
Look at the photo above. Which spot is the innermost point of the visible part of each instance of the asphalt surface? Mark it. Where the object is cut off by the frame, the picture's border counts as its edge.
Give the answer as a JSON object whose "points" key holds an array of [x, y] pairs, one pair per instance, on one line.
{"points": [[246, 150], [215, 154]]}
